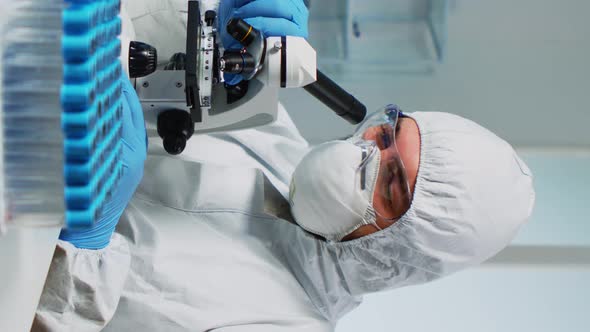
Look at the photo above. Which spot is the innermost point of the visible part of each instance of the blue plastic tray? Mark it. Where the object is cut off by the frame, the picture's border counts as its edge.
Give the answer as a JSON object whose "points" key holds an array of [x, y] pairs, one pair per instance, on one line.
{"points": [[92, 107]]}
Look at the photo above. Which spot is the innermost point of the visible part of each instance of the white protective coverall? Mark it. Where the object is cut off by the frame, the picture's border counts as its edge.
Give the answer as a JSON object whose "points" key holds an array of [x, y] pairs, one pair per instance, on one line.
{"points": [[195, 248], [206, 245]]}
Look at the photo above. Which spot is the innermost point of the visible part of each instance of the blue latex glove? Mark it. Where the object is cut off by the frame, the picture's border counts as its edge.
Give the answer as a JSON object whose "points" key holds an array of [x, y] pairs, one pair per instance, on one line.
{"points": [[272, 17], [134, 151]]}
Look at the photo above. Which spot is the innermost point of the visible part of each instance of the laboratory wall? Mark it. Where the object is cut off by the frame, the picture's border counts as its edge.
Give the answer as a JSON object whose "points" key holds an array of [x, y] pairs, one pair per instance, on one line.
{"points": [[519, 68]]}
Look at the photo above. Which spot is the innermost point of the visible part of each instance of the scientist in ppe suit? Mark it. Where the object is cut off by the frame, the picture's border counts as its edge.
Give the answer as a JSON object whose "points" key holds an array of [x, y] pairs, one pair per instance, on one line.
{"points": [[254, 230]]}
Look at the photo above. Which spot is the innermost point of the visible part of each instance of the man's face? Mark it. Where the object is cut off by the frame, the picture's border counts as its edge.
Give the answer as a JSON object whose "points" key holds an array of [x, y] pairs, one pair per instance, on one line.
{"points": [[407, 138]]}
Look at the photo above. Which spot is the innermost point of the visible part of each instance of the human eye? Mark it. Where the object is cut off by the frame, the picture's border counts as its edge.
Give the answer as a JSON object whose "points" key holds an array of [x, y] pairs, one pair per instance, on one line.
{"points": [[394, 193]]}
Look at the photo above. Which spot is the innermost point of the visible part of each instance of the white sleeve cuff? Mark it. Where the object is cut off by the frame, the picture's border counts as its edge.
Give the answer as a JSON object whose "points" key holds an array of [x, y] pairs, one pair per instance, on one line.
{"points": [[83, 287]]}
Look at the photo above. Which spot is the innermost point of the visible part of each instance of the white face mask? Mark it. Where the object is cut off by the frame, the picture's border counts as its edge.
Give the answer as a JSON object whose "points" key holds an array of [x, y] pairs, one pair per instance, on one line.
{"points": [[331, 192]]}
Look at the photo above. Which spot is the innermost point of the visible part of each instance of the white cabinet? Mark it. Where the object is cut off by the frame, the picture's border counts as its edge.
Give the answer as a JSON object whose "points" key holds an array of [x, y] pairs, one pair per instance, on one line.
{"points": [[373, 35]]}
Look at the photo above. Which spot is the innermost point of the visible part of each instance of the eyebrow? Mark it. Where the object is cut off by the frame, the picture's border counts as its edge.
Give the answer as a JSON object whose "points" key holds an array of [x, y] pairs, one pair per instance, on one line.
{"points": [[398, 126]]}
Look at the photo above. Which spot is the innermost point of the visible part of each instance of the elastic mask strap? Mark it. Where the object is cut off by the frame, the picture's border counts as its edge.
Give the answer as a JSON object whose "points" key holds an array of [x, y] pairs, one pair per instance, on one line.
{"points": [[370, 217]]}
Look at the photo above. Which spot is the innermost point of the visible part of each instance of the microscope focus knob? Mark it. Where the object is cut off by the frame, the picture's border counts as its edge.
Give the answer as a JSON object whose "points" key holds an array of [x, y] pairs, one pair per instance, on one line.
{"points": [[174, 144], [210, 17], [175, 127], [143, 59]]}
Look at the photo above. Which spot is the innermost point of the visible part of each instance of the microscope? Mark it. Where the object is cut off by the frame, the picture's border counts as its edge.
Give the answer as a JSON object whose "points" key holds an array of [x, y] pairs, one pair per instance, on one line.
{"points": [[189, 96]]}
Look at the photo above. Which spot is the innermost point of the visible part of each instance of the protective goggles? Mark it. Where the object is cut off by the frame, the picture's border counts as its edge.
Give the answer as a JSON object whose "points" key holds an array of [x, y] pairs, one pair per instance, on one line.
{"points": [[376, 135]]}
